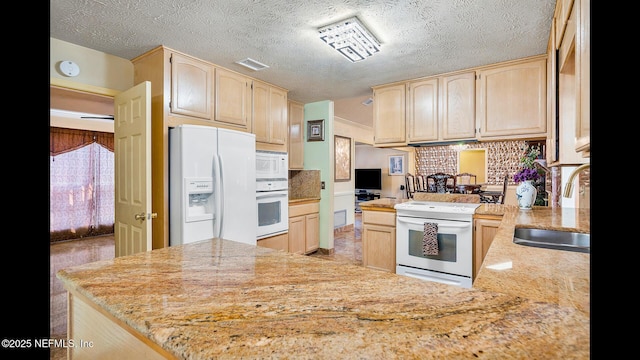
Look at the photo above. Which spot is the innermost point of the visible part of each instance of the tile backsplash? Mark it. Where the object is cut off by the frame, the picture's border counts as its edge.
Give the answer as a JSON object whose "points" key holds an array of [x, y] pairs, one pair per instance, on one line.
{"points": [[502, 157]]}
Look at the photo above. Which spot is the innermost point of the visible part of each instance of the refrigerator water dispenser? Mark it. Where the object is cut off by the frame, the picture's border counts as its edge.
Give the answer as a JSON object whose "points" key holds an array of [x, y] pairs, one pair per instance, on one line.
{"points": [[200, 200]]}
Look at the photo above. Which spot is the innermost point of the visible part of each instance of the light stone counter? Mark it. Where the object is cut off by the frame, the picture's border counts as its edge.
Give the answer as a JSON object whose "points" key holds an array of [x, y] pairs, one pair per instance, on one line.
{"points": [[224, 299], [554, 276]]}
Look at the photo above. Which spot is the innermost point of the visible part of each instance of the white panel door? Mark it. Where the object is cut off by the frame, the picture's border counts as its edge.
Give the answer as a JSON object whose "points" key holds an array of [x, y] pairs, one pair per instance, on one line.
{"points": [[132, 134]]}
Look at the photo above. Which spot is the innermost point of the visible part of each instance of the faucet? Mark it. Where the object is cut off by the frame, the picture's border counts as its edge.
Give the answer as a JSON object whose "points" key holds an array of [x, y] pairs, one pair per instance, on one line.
{"points": [[568, 188]]}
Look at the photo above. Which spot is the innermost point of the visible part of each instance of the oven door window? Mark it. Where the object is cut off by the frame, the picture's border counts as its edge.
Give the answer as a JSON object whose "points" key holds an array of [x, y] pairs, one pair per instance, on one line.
{"points": [[447, 246], [269, 213]]}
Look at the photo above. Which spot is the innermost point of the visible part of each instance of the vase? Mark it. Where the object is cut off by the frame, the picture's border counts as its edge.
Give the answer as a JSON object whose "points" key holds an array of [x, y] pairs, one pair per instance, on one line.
{"points": [[526, 194]]}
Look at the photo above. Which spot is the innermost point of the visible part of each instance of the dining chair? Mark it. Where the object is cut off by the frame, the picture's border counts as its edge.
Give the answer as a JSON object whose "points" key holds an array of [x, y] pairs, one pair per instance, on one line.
{"points": [[409, 185], [466, 178], [441, 183], [420, 183], [495, 197]]}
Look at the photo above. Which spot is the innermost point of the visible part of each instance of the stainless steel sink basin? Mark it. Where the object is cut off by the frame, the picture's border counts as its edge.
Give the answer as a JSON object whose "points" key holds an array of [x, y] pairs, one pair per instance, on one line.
{"points": [[553, 239]]}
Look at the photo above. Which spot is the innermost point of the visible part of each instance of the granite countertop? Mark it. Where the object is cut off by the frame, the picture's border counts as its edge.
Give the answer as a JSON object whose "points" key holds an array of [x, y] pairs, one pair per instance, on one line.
{"points": [[219, 298], [554, 276], [303, 200]]}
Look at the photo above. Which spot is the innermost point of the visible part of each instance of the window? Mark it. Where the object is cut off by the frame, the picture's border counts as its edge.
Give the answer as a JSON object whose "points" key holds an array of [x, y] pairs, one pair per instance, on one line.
{"points": [[82, 184]]}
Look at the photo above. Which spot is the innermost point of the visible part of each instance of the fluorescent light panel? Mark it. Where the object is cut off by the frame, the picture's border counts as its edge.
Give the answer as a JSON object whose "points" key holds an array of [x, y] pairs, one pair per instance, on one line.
{"points": [[351, 39], [252, 64]]}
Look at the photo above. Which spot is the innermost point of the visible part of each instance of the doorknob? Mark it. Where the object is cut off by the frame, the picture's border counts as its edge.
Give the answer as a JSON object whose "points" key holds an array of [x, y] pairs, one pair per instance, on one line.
{"points": [[141, 216]]}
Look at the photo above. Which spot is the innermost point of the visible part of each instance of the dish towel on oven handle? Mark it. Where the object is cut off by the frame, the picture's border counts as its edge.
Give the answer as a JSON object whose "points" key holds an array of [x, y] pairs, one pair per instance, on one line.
{"points": [[430, 239]]}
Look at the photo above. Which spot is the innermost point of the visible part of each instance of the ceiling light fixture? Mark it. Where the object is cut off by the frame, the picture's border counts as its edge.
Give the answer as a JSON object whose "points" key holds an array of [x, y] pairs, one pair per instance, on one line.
{"points": [[351, 39], [252, 64]]}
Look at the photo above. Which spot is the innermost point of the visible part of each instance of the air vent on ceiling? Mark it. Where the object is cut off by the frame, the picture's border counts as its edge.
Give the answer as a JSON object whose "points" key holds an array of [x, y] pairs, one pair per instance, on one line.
{"points": [[368, 102], [252, 64]]}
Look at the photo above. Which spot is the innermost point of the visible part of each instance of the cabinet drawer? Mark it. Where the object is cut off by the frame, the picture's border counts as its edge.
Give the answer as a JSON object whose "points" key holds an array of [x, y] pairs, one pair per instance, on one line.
{"points": [[379, 217], [303, 209]]}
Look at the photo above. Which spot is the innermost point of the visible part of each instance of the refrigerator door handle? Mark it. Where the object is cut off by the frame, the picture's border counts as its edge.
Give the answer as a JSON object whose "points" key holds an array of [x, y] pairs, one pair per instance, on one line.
{"points": [[219, 194]]}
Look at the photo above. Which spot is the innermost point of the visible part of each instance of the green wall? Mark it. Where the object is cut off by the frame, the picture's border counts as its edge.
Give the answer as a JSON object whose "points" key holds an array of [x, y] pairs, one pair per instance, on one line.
{"points": [[317, 156]]}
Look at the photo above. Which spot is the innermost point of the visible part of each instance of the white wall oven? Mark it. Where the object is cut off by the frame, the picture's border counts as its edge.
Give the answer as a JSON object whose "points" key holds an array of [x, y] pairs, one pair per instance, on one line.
{"points": [[272, 193], [453, 263]]}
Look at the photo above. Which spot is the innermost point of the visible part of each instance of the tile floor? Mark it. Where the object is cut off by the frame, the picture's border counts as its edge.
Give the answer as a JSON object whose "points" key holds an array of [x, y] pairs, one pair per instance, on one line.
{"points": [[347, 248]]}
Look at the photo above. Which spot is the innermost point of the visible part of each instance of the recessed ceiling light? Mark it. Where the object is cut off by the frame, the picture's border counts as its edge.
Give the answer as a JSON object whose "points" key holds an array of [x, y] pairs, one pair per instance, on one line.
{"points": [[351, 39], [252, 64]]}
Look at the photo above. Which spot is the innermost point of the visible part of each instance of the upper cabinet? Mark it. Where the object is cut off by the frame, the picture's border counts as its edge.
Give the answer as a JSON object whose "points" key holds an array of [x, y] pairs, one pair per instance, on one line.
{"points": [[191, 86], [497, 102], [296, 144], [512, 100], [270, 122], [570, 129], [458, 106], [583, 53], [233, 100], [389, 115], [422, 110]]}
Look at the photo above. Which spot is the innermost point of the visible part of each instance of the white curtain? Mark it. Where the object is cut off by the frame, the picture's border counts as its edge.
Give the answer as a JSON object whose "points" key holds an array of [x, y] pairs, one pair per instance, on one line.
{"points": [[82, 193]]}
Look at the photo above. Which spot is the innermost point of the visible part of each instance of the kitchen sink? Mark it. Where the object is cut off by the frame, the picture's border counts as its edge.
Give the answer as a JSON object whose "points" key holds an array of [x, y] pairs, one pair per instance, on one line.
{"points": [[553, 239]]}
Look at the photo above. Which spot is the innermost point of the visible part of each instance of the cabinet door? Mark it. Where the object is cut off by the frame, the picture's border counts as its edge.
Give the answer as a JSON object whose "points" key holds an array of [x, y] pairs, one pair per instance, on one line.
{"points": [[261, 111], [484, 231], [296, 131], [422, 111], [269, 114], [312, 232], [583, 53], [297, 234], [278, 116], [458, 106], [513, 100], [389, 114], [379, 247], [233, 99], [191, 87]]}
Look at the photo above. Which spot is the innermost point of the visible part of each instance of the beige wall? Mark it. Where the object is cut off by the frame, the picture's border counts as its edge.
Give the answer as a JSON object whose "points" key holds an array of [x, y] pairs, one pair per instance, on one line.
{"points": [[97, 69]]}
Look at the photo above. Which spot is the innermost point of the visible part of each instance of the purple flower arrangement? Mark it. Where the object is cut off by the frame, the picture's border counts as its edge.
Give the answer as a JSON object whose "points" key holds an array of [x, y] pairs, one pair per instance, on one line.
{"points": [[528, 170]]}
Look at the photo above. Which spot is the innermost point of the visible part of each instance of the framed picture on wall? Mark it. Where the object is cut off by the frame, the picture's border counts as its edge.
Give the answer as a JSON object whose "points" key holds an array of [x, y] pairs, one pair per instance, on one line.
{"points": [[342, 151], [315, 130], [396, 165]]}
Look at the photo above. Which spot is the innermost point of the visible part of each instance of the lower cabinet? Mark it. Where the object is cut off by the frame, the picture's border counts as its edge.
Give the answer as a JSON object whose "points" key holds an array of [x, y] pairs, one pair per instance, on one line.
{"points": [[278, 242], [379, 240], [485, 228], [304, 227]]}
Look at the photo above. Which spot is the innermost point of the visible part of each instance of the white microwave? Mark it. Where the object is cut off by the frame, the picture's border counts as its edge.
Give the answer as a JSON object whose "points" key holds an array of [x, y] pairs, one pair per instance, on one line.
{"points": [[271, 165]]}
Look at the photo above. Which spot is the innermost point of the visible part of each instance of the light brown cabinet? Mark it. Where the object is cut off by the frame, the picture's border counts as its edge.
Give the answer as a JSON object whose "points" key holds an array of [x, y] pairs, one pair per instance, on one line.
{"points": [[569, 135], [304, 227], [296, 131], [458, 106], [233, 100], [422, 110], [485, 228], [583, 83], [191, 86], [389, 107], [270, 122], [379, 240], [278, 242], [512, 100]]}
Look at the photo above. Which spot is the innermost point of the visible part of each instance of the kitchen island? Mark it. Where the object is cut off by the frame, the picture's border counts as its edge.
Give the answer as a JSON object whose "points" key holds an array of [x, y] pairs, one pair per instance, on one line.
{"points": [[223, 299]]}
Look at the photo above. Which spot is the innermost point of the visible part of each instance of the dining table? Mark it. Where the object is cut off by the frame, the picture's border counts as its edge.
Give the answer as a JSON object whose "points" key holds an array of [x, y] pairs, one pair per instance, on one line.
{"points": [[468, 188]]}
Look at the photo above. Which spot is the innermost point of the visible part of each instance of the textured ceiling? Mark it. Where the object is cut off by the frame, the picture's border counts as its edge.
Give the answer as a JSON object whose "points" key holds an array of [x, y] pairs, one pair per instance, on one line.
{"points": [[419, 38]]}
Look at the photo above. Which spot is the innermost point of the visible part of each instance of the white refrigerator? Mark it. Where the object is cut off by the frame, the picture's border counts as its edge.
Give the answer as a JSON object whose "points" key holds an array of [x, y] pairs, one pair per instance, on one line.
{"points": [[212, 185]]}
